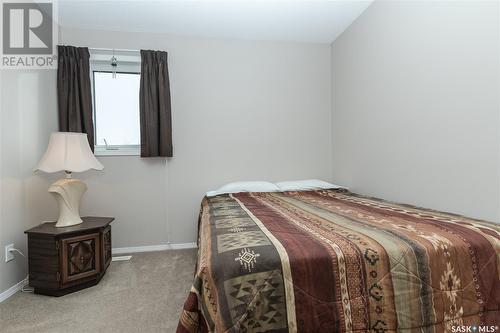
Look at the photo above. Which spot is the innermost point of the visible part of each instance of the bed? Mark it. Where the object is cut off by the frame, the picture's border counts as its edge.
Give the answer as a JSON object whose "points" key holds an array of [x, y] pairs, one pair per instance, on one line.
{"points": [[335, 261]]}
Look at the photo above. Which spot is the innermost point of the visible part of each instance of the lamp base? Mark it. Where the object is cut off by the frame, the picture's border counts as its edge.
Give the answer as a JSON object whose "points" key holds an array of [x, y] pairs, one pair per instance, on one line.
{"points": [[68, 193]]}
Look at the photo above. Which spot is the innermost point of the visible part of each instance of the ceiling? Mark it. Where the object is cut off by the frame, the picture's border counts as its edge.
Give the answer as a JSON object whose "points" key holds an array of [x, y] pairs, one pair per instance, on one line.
{"points": [[300, 21]]}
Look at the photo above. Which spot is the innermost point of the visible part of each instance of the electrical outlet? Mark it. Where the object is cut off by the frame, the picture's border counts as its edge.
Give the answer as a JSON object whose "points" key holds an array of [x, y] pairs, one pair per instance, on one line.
{"points": [[8, 254]]}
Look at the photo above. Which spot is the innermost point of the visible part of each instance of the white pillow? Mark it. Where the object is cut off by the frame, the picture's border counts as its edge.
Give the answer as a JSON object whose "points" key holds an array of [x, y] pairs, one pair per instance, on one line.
{"points": [[253, 186], [305, 185]]}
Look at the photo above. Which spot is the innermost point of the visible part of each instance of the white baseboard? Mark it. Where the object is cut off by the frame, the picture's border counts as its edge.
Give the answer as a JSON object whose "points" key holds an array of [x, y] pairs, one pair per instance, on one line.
{"points": [[153, 248], [180, 246], [12, 290]]}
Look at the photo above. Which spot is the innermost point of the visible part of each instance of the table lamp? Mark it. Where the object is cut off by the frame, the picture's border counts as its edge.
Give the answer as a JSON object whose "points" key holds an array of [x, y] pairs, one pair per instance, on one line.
{"points": [[68, 152]]}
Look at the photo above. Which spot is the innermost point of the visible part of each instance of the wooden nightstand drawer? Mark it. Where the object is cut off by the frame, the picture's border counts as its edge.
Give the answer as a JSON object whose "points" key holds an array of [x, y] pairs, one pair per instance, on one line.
{"points": [[81, 257]]}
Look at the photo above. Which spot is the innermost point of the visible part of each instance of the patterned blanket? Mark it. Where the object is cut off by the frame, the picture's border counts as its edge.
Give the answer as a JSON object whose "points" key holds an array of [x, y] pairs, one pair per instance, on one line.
{"points": [[334, 261]]}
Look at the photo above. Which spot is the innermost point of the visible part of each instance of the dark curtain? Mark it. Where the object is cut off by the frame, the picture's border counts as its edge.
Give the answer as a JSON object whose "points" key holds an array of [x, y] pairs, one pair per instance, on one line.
{"points": [[155, 112], [73, 91]]}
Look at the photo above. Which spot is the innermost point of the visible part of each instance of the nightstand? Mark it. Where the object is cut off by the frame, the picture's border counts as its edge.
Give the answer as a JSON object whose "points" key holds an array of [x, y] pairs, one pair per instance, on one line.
{"points": [[64, 260]]}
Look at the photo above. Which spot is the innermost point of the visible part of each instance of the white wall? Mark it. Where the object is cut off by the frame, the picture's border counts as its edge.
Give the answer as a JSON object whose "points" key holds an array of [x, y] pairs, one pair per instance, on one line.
{"points": [[241, 110], [416, 105], [27, 102]]}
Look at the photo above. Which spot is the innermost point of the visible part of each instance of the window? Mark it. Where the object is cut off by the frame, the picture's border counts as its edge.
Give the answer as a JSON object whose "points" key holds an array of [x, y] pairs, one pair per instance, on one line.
{"points": [[116, 103]]}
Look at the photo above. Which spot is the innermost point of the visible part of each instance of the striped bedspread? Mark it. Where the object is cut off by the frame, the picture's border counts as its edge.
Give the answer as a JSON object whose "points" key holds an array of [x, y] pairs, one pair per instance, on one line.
{"points": [[334, 261]]}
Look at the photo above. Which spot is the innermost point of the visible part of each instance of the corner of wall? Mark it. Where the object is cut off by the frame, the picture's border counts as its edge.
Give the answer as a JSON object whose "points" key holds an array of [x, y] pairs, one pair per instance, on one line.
{"points": [[332, 112]]}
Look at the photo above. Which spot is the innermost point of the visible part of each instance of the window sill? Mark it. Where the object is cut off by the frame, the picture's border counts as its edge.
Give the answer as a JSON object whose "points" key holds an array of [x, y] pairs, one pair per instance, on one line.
{"points": [[117, 152]]}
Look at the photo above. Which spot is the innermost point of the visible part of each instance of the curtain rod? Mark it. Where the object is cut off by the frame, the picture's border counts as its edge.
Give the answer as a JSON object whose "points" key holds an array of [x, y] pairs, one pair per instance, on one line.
{"points": [[108, 49]]}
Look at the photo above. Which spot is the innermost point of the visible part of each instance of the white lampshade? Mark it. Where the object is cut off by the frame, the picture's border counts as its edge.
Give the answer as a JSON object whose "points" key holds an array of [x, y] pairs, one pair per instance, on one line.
{"points": [[68, 152]]}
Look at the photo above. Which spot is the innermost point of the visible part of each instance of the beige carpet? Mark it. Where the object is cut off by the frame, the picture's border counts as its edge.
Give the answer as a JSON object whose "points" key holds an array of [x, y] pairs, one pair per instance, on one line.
{"points": [[145, 294]]}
